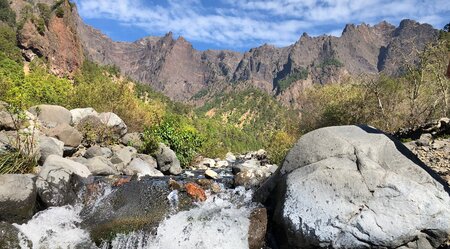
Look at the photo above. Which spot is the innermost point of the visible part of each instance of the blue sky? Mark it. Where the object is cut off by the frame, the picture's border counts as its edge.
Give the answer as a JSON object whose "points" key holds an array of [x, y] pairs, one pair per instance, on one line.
{"points": [[242, 24]]}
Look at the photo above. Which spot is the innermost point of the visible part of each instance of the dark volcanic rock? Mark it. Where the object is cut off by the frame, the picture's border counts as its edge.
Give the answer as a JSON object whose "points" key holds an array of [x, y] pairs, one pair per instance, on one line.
{"points": [[136, 205]]}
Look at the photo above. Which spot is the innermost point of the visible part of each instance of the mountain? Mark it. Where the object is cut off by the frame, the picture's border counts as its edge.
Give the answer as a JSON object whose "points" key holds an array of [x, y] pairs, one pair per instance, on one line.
{"points": [[172, 66]]}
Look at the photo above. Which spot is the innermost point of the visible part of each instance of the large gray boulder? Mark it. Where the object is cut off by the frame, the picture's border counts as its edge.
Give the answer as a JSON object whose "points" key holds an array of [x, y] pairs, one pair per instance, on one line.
{"points": [[167, 160], [49, 146], [52, 115], [6, 121], [17, 197], [354, 187], [56, 179]]}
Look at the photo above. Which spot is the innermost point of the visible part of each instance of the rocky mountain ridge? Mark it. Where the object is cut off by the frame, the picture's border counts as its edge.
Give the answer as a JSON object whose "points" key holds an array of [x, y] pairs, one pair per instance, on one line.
{"points": [[175, 68], [172, 66]]}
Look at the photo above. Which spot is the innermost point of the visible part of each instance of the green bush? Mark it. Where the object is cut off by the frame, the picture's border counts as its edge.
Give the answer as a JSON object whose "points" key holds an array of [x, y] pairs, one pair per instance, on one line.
{"points": [[180, 136], [45, 12], [300, 74], [8, 44], [7, 15]]}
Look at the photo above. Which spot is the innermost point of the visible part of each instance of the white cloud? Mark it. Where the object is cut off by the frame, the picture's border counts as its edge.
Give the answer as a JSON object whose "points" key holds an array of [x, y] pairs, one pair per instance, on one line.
{"points": [[243, 23]]}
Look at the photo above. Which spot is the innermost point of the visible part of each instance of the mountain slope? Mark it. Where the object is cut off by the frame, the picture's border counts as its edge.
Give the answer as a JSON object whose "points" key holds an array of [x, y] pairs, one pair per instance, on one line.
{"points": [[175, 68], [172, 66]]}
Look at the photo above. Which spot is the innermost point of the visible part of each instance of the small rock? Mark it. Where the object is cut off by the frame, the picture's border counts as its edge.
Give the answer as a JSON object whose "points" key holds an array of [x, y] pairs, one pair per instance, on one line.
{"points": [[113, 121], [230, 157], [149, 160], [257, 229], [425, 139], [221, 164], [49, 146], [141, 168], [98, 151], [132, 139], [207, 162], [211, 174], [124, 155], [174, 185], [438, 144], [67, 134], [261, 154], [6, 121], [99, 166], [79, 113], [167, 160], [195, 191]]}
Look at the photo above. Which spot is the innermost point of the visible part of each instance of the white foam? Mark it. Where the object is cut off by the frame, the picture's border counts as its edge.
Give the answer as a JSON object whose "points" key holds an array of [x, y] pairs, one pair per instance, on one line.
{"points": [[54, 228], [220, 222]]}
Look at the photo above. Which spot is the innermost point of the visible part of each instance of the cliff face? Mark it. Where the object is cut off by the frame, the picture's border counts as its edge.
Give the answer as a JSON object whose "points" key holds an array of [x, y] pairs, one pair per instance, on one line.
{"points": [[43, 32], [172, 66], [175, 68]]}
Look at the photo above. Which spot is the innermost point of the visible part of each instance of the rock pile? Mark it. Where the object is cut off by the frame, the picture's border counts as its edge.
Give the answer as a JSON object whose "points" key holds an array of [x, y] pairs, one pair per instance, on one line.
{"points": [[434, 152], [69, 146]]}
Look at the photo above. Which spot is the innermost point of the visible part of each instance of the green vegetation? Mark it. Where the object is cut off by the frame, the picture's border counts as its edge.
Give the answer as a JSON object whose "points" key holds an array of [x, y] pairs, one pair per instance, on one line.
{"points": [[244, 120], [7, 15], [179, 135], [331, 62], [298, 74], [45, 12], [418, 96], [16, 163]]}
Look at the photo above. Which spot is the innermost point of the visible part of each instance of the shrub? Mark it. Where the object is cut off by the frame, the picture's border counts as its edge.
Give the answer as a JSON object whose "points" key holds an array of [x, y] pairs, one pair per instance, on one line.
{"points": [[45, 12], [181, 137], [8, 44], [16, 163], [279, 145], [7, 15], [300, 74]]}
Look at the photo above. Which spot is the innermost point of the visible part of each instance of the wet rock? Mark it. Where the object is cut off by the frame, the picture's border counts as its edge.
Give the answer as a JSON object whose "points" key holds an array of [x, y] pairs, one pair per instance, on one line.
{"points": [[211, 174], [49, 146], [230, 157], [67, 134], [123, 155], [114, 122], [174, 185], [257, 229], [141, 168], [132, 139], [206, 163], [51, 115], [354, 187], [79, 113], [136, 205], [195, 191], [98, 151], [167, 160], [11, 237], [99, 166], [251, 177], [221, 164], [17, 197], [55, 182]]}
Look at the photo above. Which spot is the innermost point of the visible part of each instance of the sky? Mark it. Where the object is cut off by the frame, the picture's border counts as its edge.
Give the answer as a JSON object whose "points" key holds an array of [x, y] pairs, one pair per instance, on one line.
{"points": [[242, 24]]}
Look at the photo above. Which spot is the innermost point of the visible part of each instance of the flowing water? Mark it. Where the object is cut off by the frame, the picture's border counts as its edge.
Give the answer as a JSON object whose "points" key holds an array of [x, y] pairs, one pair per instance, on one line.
{"points": [[219, 222]]}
